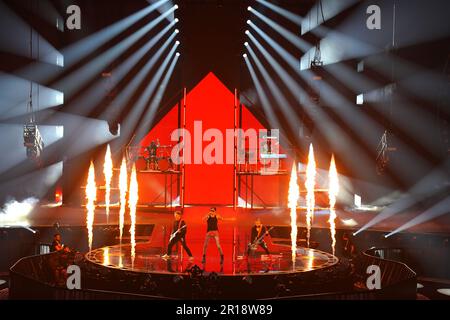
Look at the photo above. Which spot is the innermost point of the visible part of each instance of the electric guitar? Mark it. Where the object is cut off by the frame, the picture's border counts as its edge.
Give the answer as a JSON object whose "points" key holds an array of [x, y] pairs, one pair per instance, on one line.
{"points": [[255, 243], [173, 235]]}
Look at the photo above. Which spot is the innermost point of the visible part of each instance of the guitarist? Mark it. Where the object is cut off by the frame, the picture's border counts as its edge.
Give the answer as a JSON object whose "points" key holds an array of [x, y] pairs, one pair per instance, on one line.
{"points": [[178, 235], [259, 231]]}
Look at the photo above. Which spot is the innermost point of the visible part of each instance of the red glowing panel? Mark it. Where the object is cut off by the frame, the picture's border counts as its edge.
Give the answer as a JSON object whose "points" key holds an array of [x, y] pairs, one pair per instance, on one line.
{"points": [[213, 104]]}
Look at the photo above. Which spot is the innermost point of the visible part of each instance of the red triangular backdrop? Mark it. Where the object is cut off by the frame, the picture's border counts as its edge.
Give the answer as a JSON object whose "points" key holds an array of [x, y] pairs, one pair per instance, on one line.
{"points": [[213, 104]]}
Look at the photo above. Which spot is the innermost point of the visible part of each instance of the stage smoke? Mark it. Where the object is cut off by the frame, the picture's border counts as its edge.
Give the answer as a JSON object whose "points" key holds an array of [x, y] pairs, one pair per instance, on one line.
{"points": [[15, 213]]}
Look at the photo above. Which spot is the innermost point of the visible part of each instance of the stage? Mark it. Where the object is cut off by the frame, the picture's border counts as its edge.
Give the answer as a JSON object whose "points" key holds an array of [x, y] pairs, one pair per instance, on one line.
{"points": [[148, 260], [240, 276]]}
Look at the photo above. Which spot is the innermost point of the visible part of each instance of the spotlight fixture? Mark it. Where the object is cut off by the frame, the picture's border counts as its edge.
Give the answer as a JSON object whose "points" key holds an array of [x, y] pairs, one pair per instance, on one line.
{"points": [[176, 6], [176, 19], [248, 21], [244, 55], [249, 8], [247, 32], [177, 54], [246, 44], [177, 31], [177, 42]]}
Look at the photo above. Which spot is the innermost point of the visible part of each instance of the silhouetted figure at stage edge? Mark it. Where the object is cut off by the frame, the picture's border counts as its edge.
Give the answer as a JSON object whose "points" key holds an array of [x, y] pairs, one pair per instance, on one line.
{"points": [[59, 261], [178, 235], [56, 244]]}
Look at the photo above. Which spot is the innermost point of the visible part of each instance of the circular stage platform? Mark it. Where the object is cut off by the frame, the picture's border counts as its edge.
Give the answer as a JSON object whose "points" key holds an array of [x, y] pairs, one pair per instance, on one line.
{"points": [[148, 259], [259, 276]]}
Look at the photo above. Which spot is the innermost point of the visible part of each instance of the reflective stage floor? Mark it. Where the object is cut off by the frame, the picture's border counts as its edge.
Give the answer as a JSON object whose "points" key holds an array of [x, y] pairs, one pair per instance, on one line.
{"points": [[148, 259]]}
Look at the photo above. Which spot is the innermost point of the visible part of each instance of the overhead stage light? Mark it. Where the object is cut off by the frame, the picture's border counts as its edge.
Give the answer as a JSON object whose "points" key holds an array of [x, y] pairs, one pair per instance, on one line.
{"points": [[177, 54], [244, 55], [247, 32], [59, 97], [176, 6], [177, 31], [246, 44], [248, 21], [176, 19], [249, 8], [360, 99], [177, 42], [357, 201]]}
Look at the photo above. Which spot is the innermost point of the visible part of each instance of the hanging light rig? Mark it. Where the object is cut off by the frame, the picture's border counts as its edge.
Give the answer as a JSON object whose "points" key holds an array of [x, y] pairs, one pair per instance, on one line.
{"points": [[32, 139], [317, 62]]}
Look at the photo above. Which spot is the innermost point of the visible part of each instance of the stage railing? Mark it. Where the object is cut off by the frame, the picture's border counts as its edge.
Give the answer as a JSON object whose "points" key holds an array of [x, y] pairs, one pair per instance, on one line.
{"points": [[392, 272], [398, 281], [31, 279]]}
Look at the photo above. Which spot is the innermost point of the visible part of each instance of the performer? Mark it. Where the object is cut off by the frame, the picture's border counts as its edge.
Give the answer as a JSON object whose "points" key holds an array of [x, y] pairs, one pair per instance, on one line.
{"points": [[259, 231], [57, 246], [212, 231], [178, 235]]}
